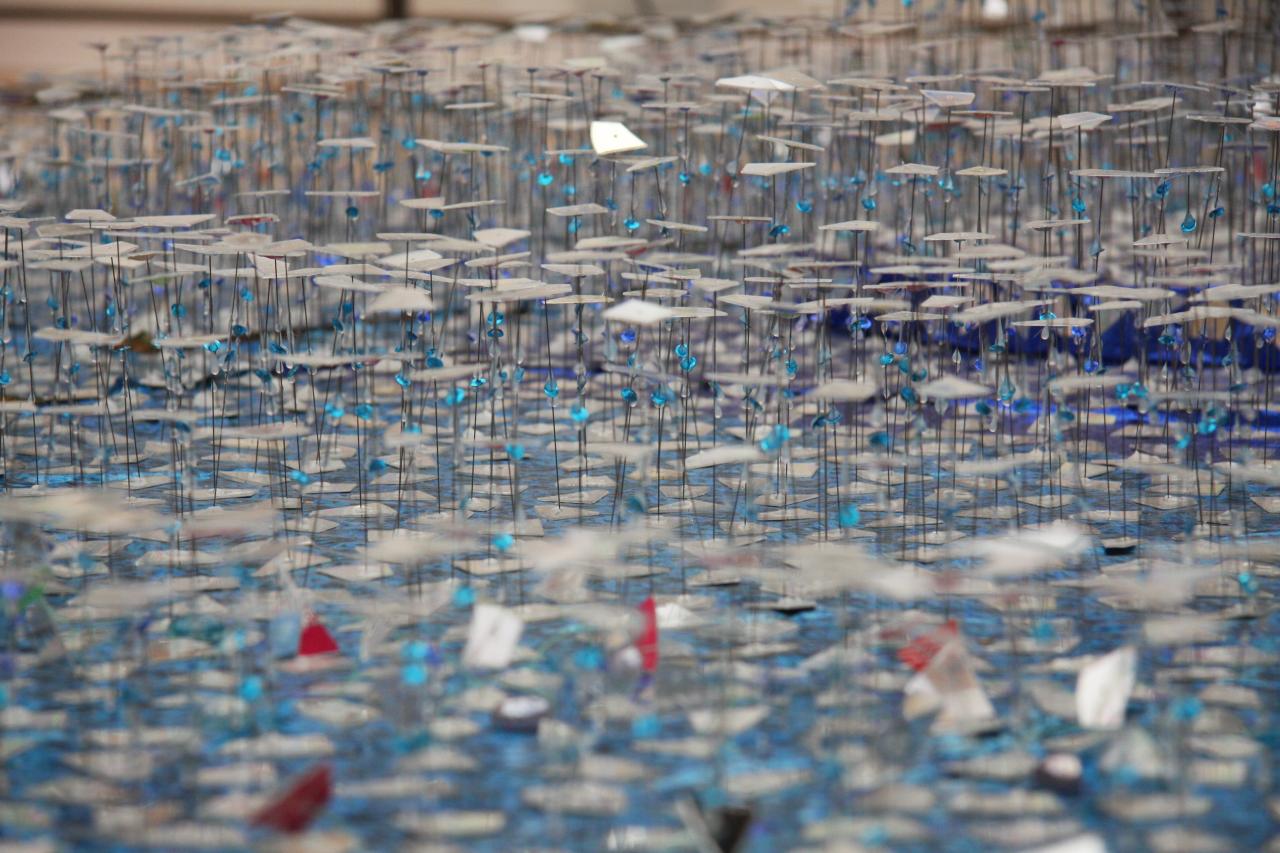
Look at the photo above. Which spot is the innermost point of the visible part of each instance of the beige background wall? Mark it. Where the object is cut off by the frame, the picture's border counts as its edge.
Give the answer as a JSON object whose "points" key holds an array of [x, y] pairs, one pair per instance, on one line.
{"points": [[47, 36]]}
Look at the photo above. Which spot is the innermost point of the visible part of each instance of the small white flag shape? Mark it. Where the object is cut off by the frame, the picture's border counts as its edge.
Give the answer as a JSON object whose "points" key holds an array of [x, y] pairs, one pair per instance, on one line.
{"points": [[725, 454], [612, 137], [1103, 688], [1088, 843], [491, 642], [637, 312], [948, 685], [400, 300]]}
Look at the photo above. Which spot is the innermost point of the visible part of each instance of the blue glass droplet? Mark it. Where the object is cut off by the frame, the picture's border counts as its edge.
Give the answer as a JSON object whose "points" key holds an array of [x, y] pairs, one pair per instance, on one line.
{"points": [[413, 674], [251, 688]]}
